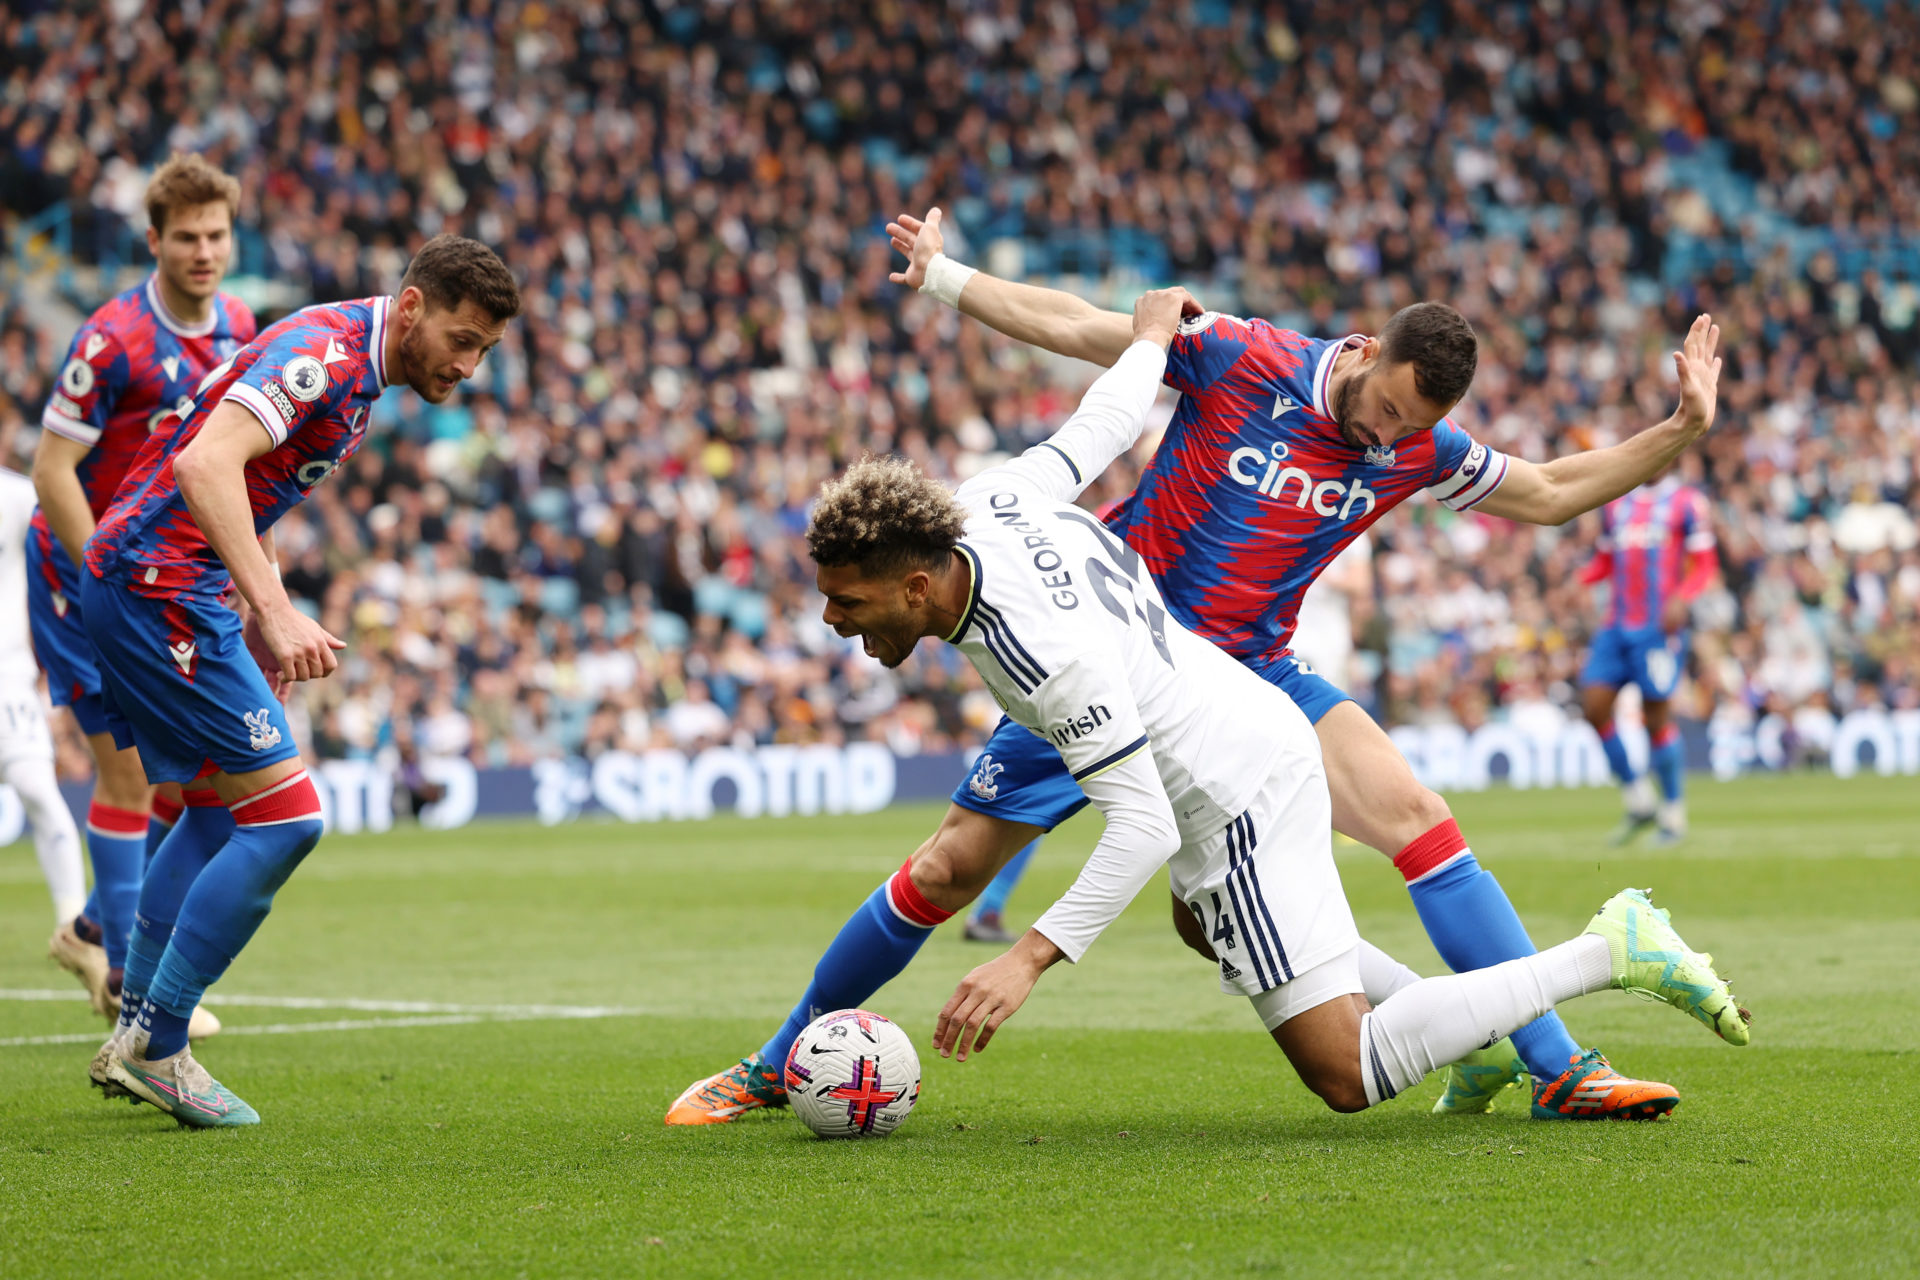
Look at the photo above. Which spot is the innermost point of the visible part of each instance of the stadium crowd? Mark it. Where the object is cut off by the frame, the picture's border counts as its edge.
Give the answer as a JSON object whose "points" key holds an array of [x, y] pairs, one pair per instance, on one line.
{"points": [[597, 545]]}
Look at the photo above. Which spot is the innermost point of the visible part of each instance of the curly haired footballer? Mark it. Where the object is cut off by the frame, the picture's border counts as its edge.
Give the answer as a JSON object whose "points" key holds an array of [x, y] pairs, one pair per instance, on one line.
{"points": [[884, 516]]}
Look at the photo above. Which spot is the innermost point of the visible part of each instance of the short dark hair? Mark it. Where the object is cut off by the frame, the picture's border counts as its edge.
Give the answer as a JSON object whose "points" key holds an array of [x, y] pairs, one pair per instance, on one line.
{"points": [[450, 270], [883, 516], [1439, 343]]}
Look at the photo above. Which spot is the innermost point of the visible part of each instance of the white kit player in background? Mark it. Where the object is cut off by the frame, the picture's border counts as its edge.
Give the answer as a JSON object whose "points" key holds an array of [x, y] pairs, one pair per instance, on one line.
{"points": [[26, 746], [1323, 636], [1196, 764]]}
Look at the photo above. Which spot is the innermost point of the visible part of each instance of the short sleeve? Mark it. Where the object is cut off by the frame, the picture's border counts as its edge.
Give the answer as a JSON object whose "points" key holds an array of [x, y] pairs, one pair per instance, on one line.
{"points": [[1205, 347], [91, 383], [286, 386], [1464, 470]]}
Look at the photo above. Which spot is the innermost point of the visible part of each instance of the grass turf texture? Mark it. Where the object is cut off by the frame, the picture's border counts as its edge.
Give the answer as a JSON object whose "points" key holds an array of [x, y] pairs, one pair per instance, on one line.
{"points": [[1129, 1120]]}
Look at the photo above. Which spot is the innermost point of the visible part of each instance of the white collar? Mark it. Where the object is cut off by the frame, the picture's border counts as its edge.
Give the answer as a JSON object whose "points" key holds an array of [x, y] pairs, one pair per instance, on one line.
{"points": [[174, 325], [377, 336], [1323, 372]]}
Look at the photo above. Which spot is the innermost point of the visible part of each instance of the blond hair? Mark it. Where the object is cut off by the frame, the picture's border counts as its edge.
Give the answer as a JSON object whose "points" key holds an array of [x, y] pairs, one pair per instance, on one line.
{"points": [[187, 180], [884, 515]]}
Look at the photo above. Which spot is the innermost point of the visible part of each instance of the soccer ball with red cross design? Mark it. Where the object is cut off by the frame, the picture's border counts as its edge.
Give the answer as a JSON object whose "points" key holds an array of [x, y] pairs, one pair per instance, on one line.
{"points": [[852, 1074]]}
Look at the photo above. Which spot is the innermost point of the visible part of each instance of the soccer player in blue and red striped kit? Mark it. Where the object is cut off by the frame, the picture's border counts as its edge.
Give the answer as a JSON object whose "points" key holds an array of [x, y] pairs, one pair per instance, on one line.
{"points": [[1657, 554], [192, 522], [130, 368]]}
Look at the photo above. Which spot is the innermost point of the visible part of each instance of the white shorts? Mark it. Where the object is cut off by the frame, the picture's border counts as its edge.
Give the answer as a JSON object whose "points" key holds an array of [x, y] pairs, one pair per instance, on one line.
{"points": [[1333, 980], [23, 724], [1265, 889]]}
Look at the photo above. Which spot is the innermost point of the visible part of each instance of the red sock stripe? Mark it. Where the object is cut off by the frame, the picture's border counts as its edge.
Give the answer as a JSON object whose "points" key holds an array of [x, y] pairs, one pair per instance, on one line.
{"points": [[288, 800], [1668, 735], [109, 821], [1431, 851], [909, 903], [205, 799], [165, 810]]}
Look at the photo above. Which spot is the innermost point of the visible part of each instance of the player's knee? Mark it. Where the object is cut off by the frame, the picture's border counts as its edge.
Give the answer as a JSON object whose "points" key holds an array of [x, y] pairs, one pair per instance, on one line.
{"points": [[959, 860], [1410, 809], [1341, 1089]]}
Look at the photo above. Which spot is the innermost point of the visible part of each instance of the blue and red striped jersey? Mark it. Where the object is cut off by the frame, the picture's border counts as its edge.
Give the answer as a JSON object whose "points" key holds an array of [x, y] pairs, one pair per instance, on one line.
{"points": [[1647, 540], [1254, 491], [131, 366], [310, 381]]}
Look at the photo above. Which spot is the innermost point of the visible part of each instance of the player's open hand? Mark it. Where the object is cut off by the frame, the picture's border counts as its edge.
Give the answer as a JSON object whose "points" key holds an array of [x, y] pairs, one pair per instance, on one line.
{"points": [[261, 654], [1699, 370], [919, 241], [300, 648], [990, 994], [1157, 314]]}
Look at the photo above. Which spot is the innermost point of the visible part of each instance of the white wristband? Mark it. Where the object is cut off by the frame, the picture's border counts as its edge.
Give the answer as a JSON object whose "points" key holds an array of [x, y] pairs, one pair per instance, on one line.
{"points": [[946, 278]]}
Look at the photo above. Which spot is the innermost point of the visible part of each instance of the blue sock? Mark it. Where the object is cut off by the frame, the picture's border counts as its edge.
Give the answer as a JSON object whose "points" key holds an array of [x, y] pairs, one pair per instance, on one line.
{"points": [[200, 833], [166, 1030], [993, 899], [117, 846], [225, 906], [91, 912], [1617, 756], [1666, 763], [872, 947], [157, 832], [1473, 926]]}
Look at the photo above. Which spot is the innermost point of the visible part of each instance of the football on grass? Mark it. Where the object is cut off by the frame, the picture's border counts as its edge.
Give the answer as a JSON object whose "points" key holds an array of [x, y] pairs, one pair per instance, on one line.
{"points": [[853, 1074]]}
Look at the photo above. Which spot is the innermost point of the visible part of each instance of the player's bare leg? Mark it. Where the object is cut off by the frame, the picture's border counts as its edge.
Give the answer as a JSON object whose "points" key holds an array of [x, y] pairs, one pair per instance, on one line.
{"points": [[944, 875], [1353, 1060]]}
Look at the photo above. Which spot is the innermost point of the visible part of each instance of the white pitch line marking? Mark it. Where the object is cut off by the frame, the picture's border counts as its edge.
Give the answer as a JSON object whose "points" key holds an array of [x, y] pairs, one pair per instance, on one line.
{"points": [[429, 1014]]}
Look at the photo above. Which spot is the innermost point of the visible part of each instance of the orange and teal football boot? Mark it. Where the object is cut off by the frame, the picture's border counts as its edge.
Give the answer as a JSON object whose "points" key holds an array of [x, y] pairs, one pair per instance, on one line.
{"points": [[1589, 1089], [746, 1086]]}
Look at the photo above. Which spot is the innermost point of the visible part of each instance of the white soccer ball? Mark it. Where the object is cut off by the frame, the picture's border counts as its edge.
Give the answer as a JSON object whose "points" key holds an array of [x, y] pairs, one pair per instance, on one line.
{"points": [[852, 1074]]}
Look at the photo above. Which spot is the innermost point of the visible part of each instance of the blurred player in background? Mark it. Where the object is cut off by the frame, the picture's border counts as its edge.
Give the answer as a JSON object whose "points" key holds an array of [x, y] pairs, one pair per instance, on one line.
{"points": [[1323, 636], [192, 522], [1657, 554], [26, 748], [132, 365]]}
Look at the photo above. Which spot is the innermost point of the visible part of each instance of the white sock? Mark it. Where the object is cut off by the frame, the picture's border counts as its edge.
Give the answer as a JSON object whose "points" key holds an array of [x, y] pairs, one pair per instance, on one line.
{"points": [[1638, 795], [56, 841], [1381, 975], [1673, 816], [1440, 1020]]}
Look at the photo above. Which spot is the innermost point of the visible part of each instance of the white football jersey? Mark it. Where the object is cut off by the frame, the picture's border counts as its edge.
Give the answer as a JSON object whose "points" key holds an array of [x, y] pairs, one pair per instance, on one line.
{"points": [[17, 501], [1064, 623]]}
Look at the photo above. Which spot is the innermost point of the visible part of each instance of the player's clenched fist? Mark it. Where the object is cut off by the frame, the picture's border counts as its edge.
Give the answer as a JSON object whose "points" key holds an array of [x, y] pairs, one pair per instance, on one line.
{"points": [[1157, 314], [301, 647]]}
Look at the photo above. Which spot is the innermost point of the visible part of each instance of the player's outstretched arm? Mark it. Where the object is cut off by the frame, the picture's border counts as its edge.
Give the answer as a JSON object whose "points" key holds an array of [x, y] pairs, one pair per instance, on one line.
{"points": [[1045, 318], [1114, 411], [211, 473], [56, 482], [1555, 492]]}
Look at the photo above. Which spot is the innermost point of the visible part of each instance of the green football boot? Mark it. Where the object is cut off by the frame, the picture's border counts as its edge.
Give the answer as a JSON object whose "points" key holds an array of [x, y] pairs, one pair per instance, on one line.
{"points": [[1480, 1077], [1652, 961]]}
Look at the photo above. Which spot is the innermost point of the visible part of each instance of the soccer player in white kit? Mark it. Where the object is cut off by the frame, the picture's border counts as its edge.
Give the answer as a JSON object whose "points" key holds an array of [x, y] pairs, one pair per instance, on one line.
{"points": [[1196, 764], [26, 746]]}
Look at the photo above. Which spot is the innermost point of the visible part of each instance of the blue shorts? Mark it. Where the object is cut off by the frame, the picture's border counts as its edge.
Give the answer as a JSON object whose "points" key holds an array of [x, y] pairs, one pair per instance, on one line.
{"points": [[60, 636], [1019, 777], [1646, 656], [180, 685]]}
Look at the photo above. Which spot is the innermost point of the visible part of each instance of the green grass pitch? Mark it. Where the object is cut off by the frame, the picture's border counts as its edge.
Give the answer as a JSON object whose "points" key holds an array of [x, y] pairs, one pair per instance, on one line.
{"points": [[1129, 1121]]}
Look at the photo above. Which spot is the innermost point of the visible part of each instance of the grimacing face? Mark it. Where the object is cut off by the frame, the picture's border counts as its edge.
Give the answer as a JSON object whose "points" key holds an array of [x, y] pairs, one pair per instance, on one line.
{"points": [[193, 250], [1379, 404], [880, 610], [441, 347]]}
